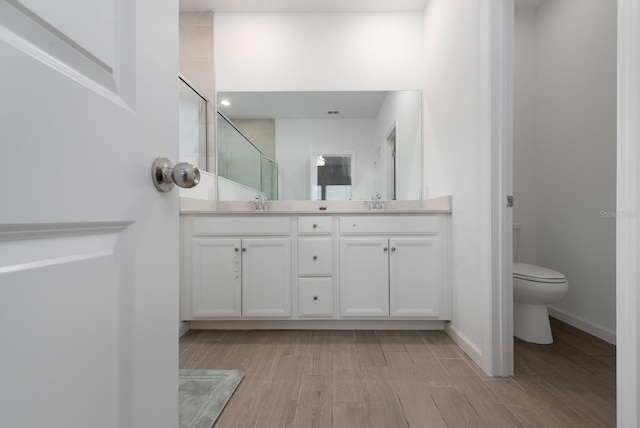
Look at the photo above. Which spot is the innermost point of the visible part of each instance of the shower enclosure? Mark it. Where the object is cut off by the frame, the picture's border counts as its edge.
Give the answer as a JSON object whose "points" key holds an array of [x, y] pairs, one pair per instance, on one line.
{"points": [[243, 170], [193, 126]]}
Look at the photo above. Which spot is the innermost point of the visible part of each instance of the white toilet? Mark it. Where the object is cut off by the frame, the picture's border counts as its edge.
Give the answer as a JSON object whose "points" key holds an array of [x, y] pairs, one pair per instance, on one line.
{"points": [[533, 288]]}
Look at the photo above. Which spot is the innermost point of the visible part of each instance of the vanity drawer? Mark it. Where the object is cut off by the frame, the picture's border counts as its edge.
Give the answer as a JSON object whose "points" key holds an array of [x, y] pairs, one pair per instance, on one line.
{"points": [[315, 225], [389, 225], [315, 256], [250, 225], [315, 297]]}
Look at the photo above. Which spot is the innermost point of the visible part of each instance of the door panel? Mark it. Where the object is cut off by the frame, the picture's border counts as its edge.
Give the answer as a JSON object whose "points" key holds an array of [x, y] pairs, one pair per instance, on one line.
{"points": [[414, 271], [364, 277], [266, 277], [217, 278], [58, 322], [102, 59]]}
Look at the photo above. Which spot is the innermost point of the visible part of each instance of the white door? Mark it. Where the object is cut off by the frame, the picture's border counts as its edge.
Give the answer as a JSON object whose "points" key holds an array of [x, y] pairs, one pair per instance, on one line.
{"points": [[414, 277], [364, 277], [88, 246], [216, 266], [266, 277]]}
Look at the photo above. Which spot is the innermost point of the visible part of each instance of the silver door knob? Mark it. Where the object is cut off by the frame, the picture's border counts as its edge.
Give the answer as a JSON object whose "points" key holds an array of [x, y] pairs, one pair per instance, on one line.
{"points": [[165, 174]]}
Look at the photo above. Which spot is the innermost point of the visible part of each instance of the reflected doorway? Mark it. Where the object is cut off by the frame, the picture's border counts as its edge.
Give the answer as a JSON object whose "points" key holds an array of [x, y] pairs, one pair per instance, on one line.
{"points": [[331, 177]]}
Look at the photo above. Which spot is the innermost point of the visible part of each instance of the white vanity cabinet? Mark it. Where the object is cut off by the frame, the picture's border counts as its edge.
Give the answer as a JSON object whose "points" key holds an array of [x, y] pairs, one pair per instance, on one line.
{"points": [[393, 266], [312, 269], [231, 269]]}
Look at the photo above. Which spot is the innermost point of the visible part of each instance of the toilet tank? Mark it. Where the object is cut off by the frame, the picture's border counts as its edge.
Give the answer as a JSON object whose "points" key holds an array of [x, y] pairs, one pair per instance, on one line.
{"points": [[516, 239]]}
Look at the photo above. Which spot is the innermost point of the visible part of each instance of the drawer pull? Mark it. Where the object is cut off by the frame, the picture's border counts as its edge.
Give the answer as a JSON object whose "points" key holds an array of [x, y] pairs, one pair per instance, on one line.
{"points": [[315, 297], [315, 226], [386, 248], [393, 248], [315, 257], [244, 250]]}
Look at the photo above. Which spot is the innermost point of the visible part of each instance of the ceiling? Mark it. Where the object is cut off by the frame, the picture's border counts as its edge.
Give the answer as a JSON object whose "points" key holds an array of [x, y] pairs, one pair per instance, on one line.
{"points": [[303, 5], [296, 105]]}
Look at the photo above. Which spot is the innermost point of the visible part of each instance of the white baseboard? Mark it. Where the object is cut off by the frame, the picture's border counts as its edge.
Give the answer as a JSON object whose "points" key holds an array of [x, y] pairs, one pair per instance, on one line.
{"points": [[318, 325], [597, 330], [183, 327], [463, 341]]}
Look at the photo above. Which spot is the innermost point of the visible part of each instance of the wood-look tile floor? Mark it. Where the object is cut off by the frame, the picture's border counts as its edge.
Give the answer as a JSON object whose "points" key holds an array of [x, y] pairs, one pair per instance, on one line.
{"points": [[395, 379]]}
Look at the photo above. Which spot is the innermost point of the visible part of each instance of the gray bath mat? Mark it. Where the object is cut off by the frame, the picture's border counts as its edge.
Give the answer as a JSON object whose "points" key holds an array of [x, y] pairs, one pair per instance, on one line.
{"points": [[203, 394]]}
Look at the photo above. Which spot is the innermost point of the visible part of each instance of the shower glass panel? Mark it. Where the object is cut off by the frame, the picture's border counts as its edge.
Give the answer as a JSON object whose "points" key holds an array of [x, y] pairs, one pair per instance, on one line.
{"points": [[193, 126], [242, 163], [269, 178]]}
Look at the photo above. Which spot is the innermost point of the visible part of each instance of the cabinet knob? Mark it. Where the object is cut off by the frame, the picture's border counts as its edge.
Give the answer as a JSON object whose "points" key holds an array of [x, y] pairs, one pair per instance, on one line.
{"points": [[386, 249], [244, 250], [315, 257], [315, 297], [236, 249], [393, 248], [315, 226]]}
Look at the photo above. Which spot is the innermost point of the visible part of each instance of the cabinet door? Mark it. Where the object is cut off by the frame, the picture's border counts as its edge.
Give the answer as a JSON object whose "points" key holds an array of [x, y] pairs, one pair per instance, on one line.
{"points": [[364, 277], [266, 277], [216, 278], [414, 271]]}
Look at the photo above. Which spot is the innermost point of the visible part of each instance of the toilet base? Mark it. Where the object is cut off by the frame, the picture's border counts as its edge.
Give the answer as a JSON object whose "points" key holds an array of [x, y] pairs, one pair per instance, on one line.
{"points": [[531, 323]]}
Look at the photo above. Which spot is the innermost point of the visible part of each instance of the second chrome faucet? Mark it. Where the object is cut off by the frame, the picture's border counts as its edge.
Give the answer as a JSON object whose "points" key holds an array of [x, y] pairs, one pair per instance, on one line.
{"points": [[376, 202]]}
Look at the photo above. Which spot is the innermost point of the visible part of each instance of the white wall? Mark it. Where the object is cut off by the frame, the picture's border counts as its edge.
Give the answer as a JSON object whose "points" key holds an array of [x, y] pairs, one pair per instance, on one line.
{"points": [[565, 165], [524, 141], [457, 160], [298, 139], [318, 51], [404, 111]]}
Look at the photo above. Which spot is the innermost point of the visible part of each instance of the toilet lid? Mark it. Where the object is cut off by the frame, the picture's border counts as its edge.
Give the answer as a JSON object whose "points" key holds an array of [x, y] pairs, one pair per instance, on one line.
{"points": [[537, 273]]}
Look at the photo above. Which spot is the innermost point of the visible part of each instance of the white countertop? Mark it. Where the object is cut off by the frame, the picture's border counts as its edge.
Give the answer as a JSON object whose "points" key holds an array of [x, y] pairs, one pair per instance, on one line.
{"points": [[442, 204]]}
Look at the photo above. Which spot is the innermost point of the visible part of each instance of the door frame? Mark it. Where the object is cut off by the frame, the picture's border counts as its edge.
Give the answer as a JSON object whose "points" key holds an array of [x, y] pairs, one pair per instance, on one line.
{"points": [[627, 237], [499, 16], [497, 24]]}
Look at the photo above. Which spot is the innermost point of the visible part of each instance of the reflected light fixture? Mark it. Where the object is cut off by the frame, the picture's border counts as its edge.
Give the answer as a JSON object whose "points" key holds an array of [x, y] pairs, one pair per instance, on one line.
{"points": [[225, 103], [320, 161]]}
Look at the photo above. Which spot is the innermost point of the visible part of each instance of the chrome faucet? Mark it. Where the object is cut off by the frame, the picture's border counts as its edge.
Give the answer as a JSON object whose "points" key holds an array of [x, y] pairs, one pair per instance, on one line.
{"points": [[260, 203], [376, 202]]}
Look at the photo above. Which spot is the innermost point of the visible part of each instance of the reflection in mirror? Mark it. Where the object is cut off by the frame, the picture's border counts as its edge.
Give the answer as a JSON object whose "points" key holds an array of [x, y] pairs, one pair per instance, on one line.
{"points": [[193, 126], [244, 172], [381, 130], [332, 179]]}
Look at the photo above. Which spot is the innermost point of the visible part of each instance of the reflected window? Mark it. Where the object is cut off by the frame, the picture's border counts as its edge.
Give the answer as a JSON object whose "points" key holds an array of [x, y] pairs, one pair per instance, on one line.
{"points": [[333, 178]]}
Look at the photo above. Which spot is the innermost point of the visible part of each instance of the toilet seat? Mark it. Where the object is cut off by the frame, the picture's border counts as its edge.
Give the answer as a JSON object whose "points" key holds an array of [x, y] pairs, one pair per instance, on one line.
{"points": [[540, 274]]}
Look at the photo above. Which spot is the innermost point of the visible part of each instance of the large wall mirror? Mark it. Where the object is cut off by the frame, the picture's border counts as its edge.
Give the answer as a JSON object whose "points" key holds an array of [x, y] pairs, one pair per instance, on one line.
{"points": [[324, 145]]}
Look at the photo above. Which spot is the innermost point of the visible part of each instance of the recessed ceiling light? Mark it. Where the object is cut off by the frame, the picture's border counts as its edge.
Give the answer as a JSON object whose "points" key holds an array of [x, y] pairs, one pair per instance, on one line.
{"points": [[225, 103]]}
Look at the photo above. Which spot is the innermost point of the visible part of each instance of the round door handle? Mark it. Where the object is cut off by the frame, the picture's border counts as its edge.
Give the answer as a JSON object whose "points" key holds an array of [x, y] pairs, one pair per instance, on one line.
{"points": [[393, 248], [315, 297], [236, 249], [386, 249], [165, 175], [244, 250], [315, 257], [315, 226]]}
